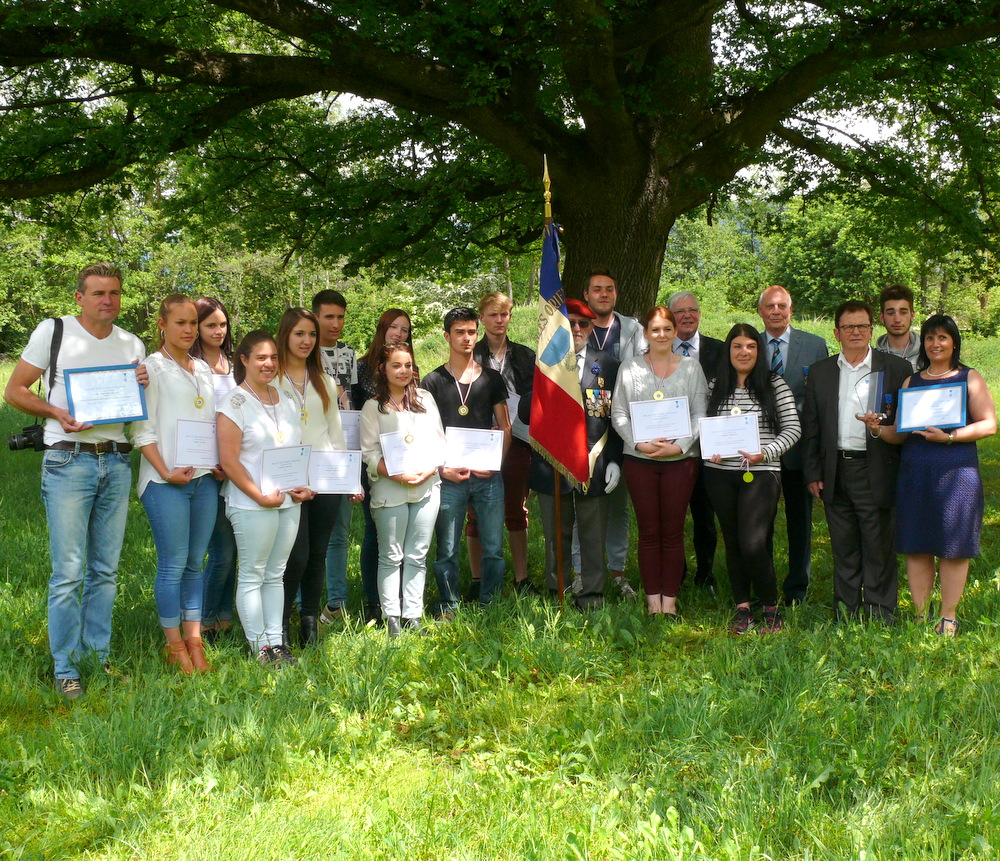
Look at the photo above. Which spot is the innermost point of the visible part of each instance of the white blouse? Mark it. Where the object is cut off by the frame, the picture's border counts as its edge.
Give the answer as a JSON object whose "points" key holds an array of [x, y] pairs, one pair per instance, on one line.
{"points": [[170, 397], [426, 429], [260, 424], [322, 430]]}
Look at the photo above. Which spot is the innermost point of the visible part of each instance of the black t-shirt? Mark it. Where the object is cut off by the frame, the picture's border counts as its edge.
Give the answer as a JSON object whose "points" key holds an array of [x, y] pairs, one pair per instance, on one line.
{"points": [[609, 339], [485, 392]]}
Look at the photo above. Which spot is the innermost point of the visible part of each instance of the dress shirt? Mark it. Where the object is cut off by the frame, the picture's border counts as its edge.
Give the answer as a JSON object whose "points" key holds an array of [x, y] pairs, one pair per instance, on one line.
{"points": [[853, 400], [694, 345], [785, 338]]}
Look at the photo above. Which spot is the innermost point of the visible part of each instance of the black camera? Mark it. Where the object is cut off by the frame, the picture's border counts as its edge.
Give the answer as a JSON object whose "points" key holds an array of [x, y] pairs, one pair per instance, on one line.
{"points": [[32, 436]]}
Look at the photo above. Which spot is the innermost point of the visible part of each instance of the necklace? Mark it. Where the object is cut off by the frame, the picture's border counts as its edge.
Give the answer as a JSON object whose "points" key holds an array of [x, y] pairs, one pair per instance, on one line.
{"points": [[661, 382], [299, 394], [607, 334], [403, 409], [199, 401], [279, 433], [942, 374], [462, 410], [498, 364]]}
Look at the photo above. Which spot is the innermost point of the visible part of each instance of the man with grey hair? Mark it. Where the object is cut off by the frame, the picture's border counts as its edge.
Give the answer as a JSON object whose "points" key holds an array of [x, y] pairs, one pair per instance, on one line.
{"points": [[789, 353], [690, 342], [86, 471]]}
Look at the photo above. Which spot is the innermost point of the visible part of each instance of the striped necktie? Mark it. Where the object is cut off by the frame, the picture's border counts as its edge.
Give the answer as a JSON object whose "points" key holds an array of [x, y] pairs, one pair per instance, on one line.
{"points": [[686, 347], [777, 363]]}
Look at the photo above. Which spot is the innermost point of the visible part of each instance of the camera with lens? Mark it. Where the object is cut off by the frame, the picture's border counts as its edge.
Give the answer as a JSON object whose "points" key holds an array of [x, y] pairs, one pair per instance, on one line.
{"points": [[32, 437]]}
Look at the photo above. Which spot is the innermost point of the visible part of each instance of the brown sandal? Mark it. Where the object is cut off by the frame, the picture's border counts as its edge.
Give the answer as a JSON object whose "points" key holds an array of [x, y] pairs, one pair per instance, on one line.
{"points": [[196, 649], [177, 653]]}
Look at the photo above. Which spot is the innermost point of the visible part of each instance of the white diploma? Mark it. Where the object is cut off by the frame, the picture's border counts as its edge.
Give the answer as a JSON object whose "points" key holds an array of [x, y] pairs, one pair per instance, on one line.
{"points": [[512, 404], [105, 395], [401, 456], [335, 471], [940, 406], [727, 436], [669, 418], [350, 421], [284, 468], [471, 448], [223, 383], [197, 444]]}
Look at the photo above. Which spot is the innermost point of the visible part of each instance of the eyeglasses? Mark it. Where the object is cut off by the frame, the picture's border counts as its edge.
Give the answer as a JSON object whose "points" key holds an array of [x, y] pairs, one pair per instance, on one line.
{"points": [[851, 328], [687, 310]]}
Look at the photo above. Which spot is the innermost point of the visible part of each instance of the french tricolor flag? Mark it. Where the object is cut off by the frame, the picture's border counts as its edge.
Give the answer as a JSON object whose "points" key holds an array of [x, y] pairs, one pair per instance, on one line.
{"points": [[558, 429]]}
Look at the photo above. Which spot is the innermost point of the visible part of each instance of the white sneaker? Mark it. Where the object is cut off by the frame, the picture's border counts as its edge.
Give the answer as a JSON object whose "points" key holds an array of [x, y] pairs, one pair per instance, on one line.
{"points": [[625, 588]]}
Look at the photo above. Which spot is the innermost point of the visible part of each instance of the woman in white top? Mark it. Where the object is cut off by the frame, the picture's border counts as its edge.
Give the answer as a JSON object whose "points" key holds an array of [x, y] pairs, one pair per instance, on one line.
{"points": [[180, 499], [214, 345], [303, 381], [660, 473], [405, 503], [253, 417]]}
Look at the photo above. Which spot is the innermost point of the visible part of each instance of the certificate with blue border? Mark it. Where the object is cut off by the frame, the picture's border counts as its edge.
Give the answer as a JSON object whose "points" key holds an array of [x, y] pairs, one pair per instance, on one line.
{"points": [[940, 406], [105, 395]]}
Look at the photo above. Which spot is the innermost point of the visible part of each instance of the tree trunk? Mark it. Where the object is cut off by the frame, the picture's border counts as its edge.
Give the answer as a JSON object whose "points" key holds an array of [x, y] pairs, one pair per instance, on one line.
{"points": [[621, 227]]}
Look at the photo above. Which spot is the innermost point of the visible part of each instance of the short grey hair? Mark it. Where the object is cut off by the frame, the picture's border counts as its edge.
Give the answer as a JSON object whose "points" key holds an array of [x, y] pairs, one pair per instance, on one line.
{"points": [[682, 294], [101, 270], [766, 290]]}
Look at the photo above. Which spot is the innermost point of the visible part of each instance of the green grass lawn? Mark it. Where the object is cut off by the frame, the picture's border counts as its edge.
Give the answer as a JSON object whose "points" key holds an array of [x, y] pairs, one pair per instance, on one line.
{"points": [[518, 732]]}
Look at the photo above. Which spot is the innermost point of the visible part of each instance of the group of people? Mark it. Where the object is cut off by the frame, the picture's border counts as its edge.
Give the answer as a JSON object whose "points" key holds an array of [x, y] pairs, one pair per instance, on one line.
{"points": [[269, 548]]}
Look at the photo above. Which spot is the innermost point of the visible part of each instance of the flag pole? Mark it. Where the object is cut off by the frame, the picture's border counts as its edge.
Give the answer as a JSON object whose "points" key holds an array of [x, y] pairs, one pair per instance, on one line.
{"points": [[556, 479]]}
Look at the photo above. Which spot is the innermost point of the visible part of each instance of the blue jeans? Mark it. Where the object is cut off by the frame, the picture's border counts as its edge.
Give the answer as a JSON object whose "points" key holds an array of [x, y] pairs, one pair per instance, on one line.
{"points": [[181, 518], [86, 504], [487, 500], [219, 581], [336, 557], [404, 537]]}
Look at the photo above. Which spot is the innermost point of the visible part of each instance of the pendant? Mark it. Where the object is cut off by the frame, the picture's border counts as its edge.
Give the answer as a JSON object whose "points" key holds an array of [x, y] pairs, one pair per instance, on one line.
{"points": [[735, 411], [463, 410], [747, 476], [657, 396], [303, 414], [280, 436], [408, 438], [199, 402]]}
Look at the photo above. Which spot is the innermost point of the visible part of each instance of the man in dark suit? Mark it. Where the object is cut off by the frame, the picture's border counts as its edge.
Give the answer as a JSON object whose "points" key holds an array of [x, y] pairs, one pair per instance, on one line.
{"points": [[690, 342], [790, 352], [852, 471], [586, 509]]}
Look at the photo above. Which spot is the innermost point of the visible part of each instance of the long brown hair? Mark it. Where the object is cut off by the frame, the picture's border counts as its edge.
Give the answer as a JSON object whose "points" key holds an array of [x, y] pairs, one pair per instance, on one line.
{"points": [[388, 317], [382, 381], [245, 351], [168, 305], [206, 306], [314, 366]]}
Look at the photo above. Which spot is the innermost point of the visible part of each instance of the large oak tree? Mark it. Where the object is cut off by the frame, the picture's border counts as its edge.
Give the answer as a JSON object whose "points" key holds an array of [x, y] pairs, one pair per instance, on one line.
{"points": [[644, 110]]}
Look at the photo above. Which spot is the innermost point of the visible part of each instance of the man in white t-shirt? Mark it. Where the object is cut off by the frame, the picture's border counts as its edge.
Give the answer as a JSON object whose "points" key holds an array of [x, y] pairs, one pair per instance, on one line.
{"points": [[86, 473]]}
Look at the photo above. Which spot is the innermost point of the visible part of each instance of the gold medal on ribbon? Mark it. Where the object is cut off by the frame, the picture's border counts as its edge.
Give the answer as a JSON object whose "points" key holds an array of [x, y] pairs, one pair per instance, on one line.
{"points": [[735, 411], [199, 402], [280, 436], [408, 438], [303, 414], [657, 396], [463, 410], [748, 476]]}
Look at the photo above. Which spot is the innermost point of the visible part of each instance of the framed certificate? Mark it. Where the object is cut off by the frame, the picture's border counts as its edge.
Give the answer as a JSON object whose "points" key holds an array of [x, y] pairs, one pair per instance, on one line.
{"points": [[471, 448], [941, 406], [350, 421], [669, 418], [105, 395], [284, 468], [197, 444], [727, 436], [335, 471]]}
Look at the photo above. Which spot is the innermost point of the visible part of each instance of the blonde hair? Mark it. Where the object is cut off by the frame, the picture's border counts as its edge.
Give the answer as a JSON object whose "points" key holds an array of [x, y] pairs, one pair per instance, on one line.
{"points": [[496, 298]]}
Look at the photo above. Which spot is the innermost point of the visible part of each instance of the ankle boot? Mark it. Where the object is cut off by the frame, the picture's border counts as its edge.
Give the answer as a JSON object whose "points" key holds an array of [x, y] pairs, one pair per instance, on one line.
{"points": [[177, 653], [308, 631], [196, 649], [392, 626]]}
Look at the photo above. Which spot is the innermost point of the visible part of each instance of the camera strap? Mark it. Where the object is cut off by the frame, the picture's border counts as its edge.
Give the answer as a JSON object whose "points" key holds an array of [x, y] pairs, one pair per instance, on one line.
{"points": [[57, 334]]}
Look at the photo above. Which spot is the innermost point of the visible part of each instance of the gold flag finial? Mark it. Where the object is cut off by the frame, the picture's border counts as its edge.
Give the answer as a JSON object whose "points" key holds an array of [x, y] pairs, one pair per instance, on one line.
{"points": [[548, 192]]}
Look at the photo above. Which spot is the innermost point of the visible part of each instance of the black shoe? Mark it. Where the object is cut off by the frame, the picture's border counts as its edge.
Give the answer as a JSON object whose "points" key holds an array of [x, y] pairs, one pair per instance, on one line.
{"points": [[69, 689], [414, 625], [392, 626], [308, 631], [282, 657], [743, 621], [286, 639], [373, 615], [472, 595]]}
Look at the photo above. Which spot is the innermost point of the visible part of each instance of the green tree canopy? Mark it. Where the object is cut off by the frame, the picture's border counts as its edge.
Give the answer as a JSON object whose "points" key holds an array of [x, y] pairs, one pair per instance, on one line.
{"points": [[644, 109]]}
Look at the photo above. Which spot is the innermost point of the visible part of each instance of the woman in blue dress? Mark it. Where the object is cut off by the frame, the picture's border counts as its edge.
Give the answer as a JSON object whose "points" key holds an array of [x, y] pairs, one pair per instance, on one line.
{"points": [[939, 494]]}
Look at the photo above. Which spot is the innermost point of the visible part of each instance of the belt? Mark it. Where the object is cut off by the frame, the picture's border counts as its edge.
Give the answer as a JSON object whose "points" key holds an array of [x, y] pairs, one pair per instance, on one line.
{"points": [[847, 454], [91, 447]]}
